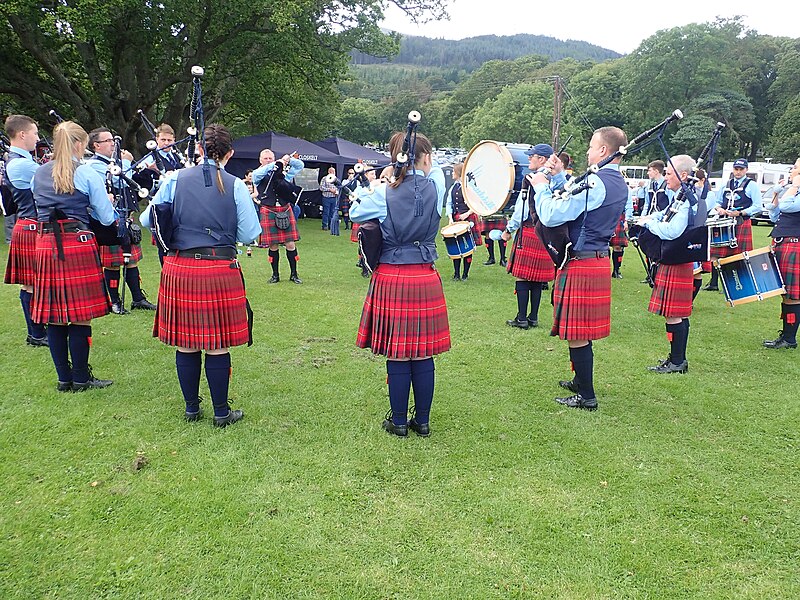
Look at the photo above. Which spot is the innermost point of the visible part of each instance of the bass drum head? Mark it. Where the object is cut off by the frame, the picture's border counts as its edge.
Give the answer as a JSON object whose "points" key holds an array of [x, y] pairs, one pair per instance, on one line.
{"points": [[493, 174]]}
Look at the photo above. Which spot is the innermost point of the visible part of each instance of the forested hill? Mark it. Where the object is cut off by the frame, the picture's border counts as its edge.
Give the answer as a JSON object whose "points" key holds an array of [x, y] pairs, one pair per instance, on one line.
{"points": [[470, 53]]}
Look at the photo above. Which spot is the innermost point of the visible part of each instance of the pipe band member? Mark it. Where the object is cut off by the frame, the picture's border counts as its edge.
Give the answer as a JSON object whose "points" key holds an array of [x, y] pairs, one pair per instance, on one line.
{"points": [[69, 289], [23, 133], [405, 314], [785, 213], [271, 172], [457, 210], [201, 301], [582, 290]]}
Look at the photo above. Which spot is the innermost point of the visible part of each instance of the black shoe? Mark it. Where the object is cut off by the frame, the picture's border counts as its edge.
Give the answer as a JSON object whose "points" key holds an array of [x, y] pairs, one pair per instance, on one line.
{"points": [[295, 279], [570, 385], [191, 417], [578, 401], [661, 363], [647, 281], [503, 262], [274, 279], [533, 322], [93, 383], [616, 276], [779, 344], [456, 277], [545, 286], [517, 323], [421, 429], [398, 430], [671, 367], [64, 386], [142, 304], [36, 342], [710, 288], [365, 272], [489, 262], [464, 277], [118, 309], [229, 419]]}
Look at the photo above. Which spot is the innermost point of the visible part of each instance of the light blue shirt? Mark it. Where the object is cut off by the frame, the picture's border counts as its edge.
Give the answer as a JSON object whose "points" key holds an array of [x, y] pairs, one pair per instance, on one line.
{"points": [[87, 181], [751, 190], [672, 229], [102, 168], [372, 204], [554, 212], [248, 227], [521, 210], [20, 171], [295, 166], [787, 204]]}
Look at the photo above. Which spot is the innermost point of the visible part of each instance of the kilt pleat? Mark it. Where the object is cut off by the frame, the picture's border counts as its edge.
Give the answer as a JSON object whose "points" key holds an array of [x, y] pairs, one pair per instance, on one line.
{"points": [[201, 304], [788, 257], [530, 260], [21, 265], [270, 234], [672, 291], [405, 313], [69, 290], [744, 242], [475, 232], [111, 256], [620, 237], [582, 300]]}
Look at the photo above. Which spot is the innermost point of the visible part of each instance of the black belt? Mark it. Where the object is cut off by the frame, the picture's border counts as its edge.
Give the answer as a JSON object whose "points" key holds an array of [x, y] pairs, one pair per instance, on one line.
{"points": [[579, 254], [209, 253], [791, 240], [73, 227]]}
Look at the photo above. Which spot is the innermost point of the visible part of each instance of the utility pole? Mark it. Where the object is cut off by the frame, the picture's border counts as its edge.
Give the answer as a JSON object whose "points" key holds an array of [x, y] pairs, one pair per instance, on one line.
{"points": [[556, 111]]}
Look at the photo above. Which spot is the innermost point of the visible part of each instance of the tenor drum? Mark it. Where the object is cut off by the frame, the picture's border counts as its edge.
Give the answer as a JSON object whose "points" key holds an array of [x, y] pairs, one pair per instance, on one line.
{"points": [[750, 276], [493, 174], [458, 239], [722, 232]]}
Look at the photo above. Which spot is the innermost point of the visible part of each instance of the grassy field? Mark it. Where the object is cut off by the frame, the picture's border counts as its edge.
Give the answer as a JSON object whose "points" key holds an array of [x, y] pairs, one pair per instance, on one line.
{"points": [[682, 486]]}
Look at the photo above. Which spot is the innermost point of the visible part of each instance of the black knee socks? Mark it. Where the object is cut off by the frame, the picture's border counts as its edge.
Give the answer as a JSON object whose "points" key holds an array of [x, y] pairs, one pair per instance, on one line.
{"points": [[273, 261], [791, 319], [80, 340], [457, 268], [696, 285], [678, 336], [291, 256], [188, 365], [58, 340], [218, 374], [616, 260], [490, 247], [467, 265], [112, 284], [583, 364], [399, 379], [35, 330], [522, 290], [423, 378], [502, 245], [535, 288], [714, 278], [134, 283]]}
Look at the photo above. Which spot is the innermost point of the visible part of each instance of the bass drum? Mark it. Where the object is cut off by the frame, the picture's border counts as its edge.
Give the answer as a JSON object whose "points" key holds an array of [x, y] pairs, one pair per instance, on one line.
{"points": [[493, 175]]}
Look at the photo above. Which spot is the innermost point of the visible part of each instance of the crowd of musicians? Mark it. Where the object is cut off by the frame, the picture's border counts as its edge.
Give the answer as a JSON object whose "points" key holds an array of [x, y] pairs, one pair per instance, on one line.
{"points": [[66, 279]]}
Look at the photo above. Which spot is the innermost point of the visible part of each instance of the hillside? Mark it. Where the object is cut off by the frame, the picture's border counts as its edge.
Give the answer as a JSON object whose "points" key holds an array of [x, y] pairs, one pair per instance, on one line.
{"points": [[470, 53]]}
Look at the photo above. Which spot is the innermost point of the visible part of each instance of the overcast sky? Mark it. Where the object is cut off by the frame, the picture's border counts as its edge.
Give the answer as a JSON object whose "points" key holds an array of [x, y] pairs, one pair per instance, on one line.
{"points": [[618, 26]]}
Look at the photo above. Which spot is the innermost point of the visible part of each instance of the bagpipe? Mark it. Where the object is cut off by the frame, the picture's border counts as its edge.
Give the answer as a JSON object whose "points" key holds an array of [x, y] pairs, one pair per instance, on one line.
{"points": [[693, 244], [277, 186]]}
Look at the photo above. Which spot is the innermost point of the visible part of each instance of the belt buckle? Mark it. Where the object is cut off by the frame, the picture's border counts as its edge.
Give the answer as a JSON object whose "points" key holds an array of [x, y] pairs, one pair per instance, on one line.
{"points": [[83, 238], [197, 256]]}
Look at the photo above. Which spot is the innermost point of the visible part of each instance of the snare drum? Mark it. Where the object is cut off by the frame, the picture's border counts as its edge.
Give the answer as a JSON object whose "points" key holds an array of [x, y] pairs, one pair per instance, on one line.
{"points": [[458, 239], [750, 276], [722, 233], [493, 174]]}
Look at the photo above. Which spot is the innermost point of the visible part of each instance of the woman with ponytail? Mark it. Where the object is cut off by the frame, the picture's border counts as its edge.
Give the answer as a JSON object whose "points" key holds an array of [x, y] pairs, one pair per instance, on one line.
{"points": [[201, 300], [405, 314], [69, 289]]}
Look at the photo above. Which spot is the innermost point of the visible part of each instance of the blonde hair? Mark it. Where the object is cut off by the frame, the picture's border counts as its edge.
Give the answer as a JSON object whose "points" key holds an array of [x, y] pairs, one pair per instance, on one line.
{"points": [[458, 169], [65, 135], [165, 128]]}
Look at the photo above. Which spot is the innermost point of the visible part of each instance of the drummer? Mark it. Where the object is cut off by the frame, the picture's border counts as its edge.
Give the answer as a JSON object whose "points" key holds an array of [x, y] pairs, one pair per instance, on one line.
{"points": [[785, 212], [530, 262], [739, 198], [457, 210]]}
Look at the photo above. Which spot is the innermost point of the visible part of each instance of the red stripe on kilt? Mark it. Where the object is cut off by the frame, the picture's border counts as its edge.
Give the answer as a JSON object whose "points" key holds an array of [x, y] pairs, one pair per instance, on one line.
{"points": [[270, 234], [111, 256], [672, 291], [201, 304], [405, 313], [477, 238], [706, 266], [788, 257], [582, 300], [620, 237], [531, 261], [69, 290], [744, 242], [21, 265], [354, 232], [487, 225]]}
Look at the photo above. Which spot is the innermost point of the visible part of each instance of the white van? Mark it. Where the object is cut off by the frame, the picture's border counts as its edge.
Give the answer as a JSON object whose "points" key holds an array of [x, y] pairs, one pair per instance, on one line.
{"points": [[768, 176]]}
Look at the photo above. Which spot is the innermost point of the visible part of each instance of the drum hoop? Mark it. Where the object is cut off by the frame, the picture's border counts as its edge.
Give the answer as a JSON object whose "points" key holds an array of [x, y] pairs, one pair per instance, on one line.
{"points": [[458, 228], [741, 255], [506, 156]]}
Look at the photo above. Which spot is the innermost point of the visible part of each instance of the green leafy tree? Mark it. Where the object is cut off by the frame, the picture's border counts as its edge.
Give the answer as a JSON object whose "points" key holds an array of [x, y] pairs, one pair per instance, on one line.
{"points": [[785, 145], [360, 121]]}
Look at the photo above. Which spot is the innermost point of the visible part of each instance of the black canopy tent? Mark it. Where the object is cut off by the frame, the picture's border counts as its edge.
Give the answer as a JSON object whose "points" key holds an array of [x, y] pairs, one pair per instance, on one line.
{"points": [[352, 153]]}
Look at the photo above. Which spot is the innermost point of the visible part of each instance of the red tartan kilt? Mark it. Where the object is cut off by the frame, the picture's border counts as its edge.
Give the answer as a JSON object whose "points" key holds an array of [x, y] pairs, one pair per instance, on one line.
{"points": [[582, 300], [270, 234], [620, 237], [201, 304], [475, 230], [354, 232], [530, 262], [490, 224], [405, 313], [21, 265], [344, 206], [706, 266], [111, 256], [744, 242], [672, 291], [788, 257], [69, 290]]}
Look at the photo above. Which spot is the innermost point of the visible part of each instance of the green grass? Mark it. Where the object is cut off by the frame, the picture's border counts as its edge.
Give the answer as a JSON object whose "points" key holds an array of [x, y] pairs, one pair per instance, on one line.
{"points": [[678, 487]]}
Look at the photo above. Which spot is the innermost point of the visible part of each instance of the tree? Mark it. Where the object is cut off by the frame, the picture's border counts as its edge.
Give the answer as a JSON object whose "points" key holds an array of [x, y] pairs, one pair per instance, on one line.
{"points": [[360, 121], [785, 144], [269, 64]]}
